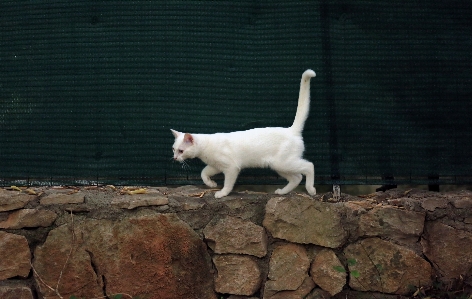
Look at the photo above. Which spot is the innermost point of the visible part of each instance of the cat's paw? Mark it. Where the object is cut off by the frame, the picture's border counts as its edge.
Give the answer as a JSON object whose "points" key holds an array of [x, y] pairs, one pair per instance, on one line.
{"points": [[280, 192], [211, 184], [311, 190], [220, 194]]}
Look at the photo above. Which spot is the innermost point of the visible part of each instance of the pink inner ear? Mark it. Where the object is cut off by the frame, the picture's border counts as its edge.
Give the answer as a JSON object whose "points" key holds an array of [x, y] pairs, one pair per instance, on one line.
{"points": [[188, 138]]}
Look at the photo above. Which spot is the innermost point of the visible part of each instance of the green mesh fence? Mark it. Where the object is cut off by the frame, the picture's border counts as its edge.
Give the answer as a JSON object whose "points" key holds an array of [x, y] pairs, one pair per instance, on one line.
{"points": [[90, 89]]}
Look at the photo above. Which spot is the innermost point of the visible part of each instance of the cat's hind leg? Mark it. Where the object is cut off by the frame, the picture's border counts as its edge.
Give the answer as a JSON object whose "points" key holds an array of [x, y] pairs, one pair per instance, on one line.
{"points": [[298, 165], [308, 170], [293, 179], [207, 173], [231, 175]]}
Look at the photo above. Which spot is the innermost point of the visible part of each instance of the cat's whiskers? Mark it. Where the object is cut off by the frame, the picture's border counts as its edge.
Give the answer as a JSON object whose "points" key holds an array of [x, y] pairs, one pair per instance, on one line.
{"points": [[184, 164]]}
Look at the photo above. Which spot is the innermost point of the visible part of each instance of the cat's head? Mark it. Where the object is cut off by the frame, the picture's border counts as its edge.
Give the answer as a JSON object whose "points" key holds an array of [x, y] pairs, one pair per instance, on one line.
{"points": [[184, 146]]}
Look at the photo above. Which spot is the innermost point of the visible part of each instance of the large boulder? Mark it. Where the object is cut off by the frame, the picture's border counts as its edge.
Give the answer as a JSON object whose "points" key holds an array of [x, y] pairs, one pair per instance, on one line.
{"points": [[378, 265], [151, 197], [432, 203], [328, 272], [12, 200], [235, 235], [15, 292], [393, 223], [62, 196], [449, 249], [237, 274], [155, 255], [63, 266], [288, 268], [301, 292], [29, 218], [304, 220], [15, 256]]}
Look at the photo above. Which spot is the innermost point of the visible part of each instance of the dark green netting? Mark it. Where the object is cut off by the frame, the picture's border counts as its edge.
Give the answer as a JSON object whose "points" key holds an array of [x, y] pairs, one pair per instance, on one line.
{"points": [[90, 89]]}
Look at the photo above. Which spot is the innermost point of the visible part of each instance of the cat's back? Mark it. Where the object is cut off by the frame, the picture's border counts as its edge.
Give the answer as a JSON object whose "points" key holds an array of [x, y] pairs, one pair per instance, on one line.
{"points": [[258, 135], [256, 147], [259, 140]]}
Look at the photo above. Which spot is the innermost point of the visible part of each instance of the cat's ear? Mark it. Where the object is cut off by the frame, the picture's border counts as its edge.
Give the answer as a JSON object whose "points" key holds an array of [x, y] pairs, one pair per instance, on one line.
{"points": [[188, 138], [175, 133]]}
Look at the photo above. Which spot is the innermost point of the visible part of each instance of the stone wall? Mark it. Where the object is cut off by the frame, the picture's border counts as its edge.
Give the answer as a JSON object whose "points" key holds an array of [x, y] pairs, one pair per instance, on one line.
{"points": [[181, 243]]}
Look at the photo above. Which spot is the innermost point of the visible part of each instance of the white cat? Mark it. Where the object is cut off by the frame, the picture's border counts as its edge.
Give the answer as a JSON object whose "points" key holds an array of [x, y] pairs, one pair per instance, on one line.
{"points": [[281, 149]]}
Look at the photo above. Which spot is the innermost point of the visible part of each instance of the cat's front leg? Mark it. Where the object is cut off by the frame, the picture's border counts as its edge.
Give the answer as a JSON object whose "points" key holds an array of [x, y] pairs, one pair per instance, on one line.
{"points": [[207, 173], [230, 178]]}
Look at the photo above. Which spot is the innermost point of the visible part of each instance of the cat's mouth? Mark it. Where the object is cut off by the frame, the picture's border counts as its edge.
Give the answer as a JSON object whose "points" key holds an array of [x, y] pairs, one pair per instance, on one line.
{"points": [[182, 162], [179, 159]]}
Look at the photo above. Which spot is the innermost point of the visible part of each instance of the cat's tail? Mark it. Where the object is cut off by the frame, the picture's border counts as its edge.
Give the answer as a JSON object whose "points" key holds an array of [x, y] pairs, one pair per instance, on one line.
{"points": [[303, 102]]}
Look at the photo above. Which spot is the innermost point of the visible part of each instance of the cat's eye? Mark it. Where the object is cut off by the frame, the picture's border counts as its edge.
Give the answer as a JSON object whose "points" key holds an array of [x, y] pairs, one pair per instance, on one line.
{"points": [[181, 151]]}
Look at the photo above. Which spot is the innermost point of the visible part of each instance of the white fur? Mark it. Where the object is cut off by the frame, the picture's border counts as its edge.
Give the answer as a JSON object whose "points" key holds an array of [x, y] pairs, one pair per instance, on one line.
{"points": [[280, 149]]}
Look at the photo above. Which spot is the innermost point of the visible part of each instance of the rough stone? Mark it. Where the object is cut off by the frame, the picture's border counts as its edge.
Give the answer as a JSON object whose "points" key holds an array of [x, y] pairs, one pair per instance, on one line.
{"points": [[241, 297], [351, 294], [303, 220], [300, 293], [15, 292], [432, 203], [319, 294], [235, 235], [250, 206], [63, 252], [135, 255], [328, 272], [352, 214], [237, 275], [386, 267], [393, 223], [367, 204], [288, 268], [13, 200], [190, 206], [462, 203], [354, 208], [151, 198], [188, 190], [188, 203], [448, 249], [62, 196], [16, 256], [29, 218]]}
